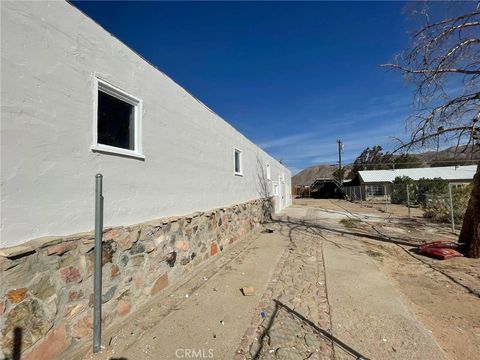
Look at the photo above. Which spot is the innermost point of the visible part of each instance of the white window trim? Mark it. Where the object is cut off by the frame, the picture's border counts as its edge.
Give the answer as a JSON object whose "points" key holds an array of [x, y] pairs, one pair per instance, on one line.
{"points": [[269, 174], [102, 85], [238, 173], [275, 188]]}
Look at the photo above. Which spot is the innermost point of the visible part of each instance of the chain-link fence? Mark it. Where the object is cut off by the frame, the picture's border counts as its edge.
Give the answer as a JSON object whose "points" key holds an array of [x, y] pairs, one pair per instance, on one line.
{"points": [[436, 202]]}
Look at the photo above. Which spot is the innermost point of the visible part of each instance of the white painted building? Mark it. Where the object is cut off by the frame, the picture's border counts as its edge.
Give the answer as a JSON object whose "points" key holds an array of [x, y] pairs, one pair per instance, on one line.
{"points": [[64, 79]]}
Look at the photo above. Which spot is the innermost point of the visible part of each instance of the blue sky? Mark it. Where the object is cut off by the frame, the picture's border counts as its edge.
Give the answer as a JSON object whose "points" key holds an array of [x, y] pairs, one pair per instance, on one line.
{"points": [[292, 77]]}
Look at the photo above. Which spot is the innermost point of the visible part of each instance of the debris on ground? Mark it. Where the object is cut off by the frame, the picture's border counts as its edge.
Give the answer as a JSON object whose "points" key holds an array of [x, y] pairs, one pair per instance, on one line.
{"points": [[268, 230], [248, 291], [441, 250]]}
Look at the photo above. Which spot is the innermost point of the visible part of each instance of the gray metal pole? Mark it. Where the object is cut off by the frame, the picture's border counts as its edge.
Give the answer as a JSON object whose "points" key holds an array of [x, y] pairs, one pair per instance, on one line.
{"points": [[340, 149], [386, 197], [451, 207], [97, 277], [408, 200]]}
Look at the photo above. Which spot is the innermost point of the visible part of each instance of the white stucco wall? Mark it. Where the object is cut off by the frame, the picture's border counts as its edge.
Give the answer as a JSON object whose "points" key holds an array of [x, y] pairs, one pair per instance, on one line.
{"points": [[50, 53]]}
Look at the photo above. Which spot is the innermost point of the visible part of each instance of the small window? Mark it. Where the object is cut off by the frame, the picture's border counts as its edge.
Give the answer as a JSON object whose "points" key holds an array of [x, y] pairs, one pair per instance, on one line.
{"points": [[275, 189], [269, 177], [238, 162], [117, 121]]}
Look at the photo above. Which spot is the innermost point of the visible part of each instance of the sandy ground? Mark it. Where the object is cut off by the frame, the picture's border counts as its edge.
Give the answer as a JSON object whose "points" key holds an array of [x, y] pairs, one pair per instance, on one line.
{"points": [[344, 293], [443, 295]]}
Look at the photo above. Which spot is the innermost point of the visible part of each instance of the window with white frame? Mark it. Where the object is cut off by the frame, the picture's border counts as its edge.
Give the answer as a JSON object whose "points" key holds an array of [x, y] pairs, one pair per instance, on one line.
{"points": [[238, 162], [275, 189], [117, 122], [269, 177]]}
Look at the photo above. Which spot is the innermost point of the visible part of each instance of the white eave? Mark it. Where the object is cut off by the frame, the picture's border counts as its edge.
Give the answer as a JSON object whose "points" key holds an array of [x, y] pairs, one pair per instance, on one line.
{"points": [[447, 173]]}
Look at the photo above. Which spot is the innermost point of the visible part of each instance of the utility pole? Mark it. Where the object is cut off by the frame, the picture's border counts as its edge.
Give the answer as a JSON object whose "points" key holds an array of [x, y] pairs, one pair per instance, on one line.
{"points": [[340, 149]]}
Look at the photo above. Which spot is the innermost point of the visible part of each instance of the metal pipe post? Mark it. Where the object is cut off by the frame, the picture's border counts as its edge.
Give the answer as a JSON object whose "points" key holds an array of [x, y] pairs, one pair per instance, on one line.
{"points": [[451, 207], [97, 277], [386, 197], [408, 200]]}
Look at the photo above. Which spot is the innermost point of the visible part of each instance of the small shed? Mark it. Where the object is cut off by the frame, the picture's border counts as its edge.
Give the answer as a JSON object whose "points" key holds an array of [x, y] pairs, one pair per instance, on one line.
{"points": [[326, 188]]}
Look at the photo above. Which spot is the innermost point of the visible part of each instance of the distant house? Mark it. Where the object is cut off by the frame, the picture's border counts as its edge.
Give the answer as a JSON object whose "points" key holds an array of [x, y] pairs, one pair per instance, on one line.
{"points": [[378, 182]]}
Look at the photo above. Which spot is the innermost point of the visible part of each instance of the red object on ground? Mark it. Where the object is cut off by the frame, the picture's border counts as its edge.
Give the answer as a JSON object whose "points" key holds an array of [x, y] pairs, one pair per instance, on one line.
{"points": [[441, 244], [441, 250]]}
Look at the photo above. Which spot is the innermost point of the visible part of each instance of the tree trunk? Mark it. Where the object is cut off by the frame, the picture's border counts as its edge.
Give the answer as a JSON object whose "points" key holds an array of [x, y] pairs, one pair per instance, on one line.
{"points": [[470, 234]]}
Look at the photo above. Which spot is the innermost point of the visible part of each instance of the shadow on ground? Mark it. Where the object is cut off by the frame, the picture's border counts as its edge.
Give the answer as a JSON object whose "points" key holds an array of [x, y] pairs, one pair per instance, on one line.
{"points": [[324, 334]]}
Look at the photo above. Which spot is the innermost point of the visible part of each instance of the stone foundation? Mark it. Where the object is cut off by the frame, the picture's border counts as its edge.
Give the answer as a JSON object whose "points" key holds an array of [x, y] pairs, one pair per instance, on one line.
{"points": [[47, 284]]}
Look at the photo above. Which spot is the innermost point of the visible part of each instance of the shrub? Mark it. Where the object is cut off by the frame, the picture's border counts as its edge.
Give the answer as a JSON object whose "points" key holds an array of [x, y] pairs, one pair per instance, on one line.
{"points": [[437, 207], [399, 190], [350, 223], [431, 190]]}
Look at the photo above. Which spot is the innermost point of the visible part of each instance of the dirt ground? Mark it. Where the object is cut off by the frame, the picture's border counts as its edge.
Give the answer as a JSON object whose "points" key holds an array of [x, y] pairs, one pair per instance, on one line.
{"points": [[443, 295], [323, 290]]}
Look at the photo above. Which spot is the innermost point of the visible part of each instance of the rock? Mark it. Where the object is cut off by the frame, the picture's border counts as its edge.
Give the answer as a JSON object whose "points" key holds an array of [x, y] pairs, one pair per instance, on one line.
{"points": [[137, 260], [114, 271], [75, 295], [112, 234], [149, 246], [85, 247], [43, 288], [310, 340], [123, 307], [61, 248], [147, 232], [138, 248], [124, 260], [74, 310], [160, 239], [171, 258], [28, 316], [187, 268], [107, 253], [213, 249], [20, 250], [46, 241], [7, 264], [70, 274], [83, 327], [67, 260], [134, 235], [138, 281], [53, 345], [17, 276], [125, 242], [109, 294], [160, 284], [2, 307], [17, 295], [182, 245]]}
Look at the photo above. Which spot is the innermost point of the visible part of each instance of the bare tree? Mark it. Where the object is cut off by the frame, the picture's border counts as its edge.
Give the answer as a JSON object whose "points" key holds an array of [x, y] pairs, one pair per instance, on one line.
{"points": [[443, 63]]}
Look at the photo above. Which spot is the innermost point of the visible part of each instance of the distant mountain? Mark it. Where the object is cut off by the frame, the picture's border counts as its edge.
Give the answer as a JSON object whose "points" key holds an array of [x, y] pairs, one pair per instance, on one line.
{"points": [[308, 175], [449, 154], [430, 158]]}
